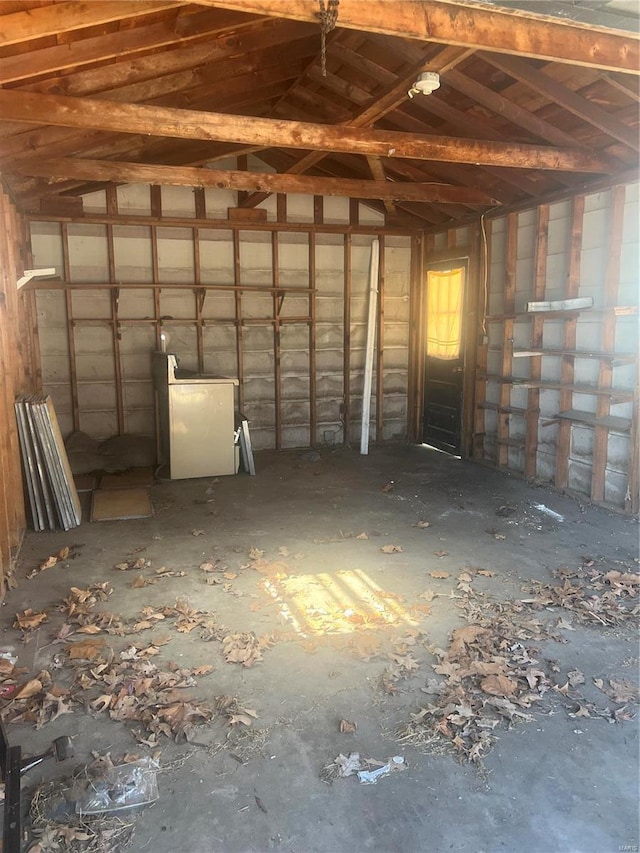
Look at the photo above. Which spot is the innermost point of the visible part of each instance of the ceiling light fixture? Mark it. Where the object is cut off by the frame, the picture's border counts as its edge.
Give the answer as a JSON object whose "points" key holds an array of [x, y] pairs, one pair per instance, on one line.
{"points": [[426, 83]]}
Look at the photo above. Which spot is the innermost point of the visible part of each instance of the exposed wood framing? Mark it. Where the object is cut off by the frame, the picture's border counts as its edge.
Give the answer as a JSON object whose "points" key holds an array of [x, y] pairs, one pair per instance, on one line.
{"points": [[277, 305], [64, 17], [477, 26], [14, 347], [114, 295], [607, 343], [478, 449], [537, 326], [563, 442], [472, 342], [415, 379], [313, 426], [504, 416], [237, 294], [71, 336], [105, 170], [577, 104], [111, 116]]}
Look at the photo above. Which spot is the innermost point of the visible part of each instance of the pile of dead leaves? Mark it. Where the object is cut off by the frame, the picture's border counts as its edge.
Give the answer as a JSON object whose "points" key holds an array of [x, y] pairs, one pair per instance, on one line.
{"points": [[245, 648], [489, 676], [487, 679], [593, 595]]}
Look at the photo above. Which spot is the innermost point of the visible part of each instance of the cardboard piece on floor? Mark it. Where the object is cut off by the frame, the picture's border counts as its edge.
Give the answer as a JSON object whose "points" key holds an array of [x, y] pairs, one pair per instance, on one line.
{"points": [[133, 478], [85, 482], [121, 504]]}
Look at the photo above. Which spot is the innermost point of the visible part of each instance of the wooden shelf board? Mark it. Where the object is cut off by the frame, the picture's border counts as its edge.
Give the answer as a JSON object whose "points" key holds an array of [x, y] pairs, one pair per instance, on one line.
{"points": [[588, 418]]}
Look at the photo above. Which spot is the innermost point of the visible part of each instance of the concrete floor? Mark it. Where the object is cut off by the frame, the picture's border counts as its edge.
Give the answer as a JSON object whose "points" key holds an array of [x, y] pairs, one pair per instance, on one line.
{"points": [[554, 784]]}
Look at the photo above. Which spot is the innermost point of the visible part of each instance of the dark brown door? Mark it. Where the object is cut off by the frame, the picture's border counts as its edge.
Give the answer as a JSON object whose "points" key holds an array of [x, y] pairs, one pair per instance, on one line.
{"points": [[444, 355]]}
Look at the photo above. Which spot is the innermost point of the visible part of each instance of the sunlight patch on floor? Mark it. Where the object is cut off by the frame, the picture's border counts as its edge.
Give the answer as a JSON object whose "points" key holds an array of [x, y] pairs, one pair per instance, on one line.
{"points": [[340, 603]]}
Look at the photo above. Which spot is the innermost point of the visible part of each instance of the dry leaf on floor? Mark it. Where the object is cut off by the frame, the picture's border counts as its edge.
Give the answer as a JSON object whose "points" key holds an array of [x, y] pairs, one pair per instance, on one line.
{"points": [[242, 648], [89, 649], [88, 629], [439, 575], [465, 577], [486, 573], [391, 549], [362, 535], [29, 620], [197, 532], [141, 582], [423, 524], [255, 553], [208, 566], [622, 578], [230, 576], [618, 690], [348, 728], [28, 689], [498, 685], [499, 536], [575, 677], [283, 551], [441, 553], [428, 594]]}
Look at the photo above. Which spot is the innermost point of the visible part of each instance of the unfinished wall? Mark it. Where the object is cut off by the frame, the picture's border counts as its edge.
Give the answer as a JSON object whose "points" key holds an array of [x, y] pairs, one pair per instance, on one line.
{"points": [[558, 396], [264, 303], [18, 369]]}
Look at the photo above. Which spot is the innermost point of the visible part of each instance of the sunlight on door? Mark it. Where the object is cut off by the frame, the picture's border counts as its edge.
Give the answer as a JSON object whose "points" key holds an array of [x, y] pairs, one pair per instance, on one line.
{"points": [[444, 313]]}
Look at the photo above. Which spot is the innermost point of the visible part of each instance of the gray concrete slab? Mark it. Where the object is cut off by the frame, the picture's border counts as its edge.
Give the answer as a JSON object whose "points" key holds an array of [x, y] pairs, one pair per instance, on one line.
{"points": [[553, 784]]}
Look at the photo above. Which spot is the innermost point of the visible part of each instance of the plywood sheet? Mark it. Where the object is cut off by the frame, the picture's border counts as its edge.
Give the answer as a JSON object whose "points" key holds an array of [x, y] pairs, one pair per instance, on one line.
{"points": [[120, 504]]}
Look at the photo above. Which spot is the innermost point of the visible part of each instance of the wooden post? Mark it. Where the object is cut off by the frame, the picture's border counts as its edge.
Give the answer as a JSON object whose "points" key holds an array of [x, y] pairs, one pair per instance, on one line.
{"points": [[71, 338], [472, 331], [313, 427], [532, 415], [607, 343], [112, 210], [507, 340], [567, 370], [199, 294], [479, 423], [237, 294], [277, 372], [156, 211]]}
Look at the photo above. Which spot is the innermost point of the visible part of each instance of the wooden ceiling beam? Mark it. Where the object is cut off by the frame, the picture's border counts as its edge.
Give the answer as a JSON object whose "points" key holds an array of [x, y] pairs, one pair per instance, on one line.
{"points": [[178, 30], [86, 113], [109, 170], [53, 19], [380, 105], [470, 24], [569, 100]]}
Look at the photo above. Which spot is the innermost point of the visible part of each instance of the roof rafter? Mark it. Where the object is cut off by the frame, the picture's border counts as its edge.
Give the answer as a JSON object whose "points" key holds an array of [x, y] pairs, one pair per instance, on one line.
{"points": [[462, 22], [107, 115], [57, 18], [577, 104]]}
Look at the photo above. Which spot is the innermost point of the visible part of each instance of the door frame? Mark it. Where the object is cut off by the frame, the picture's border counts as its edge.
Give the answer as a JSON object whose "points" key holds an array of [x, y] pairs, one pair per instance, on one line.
{"points": [[463, 256]]}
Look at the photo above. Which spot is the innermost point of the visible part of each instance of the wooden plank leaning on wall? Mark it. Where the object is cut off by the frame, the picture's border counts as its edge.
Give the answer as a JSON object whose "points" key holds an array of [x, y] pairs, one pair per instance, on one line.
{"points": [[18, 369]]}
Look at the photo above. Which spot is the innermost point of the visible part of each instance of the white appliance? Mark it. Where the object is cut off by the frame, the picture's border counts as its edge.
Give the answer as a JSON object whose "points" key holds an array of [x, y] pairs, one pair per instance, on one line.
{"points": [[195, 420]]}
